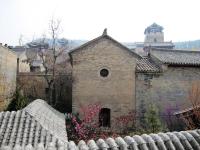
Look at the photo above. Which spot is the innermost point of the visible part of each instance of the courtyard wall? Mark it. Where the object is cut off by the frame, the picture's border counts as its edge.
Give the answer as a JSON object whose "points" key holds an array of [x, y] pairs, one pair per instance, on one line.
{"points": [[8, 71]]}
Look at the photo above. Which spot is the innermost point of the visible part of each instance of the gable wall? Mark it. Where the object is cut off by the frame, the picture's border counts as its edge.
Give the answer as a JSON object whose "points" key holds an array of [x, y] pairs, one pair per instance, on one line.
{"points": [[117, 91]]}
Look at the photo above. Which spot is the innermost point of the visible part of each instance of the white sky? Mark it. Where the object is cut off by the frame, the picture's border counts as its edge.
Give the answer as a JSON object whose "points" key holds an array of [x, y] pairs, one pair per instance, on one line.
{"points": [[86, 19]]}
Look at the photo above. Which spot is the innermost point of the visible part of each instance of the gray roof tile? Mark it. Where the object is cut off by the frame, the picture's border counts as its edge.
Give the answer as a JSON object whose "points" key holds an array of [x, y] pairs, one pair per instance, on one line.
{"points": [[177, 57], [147, 65], [26, 130], [36, 123]]}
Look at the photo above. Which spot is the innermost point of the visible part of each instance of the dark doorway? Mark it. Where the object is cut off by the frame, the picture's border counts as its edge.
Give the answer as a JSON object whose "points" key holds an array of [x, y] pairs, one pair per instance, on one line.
{"points": [[104, 117]]}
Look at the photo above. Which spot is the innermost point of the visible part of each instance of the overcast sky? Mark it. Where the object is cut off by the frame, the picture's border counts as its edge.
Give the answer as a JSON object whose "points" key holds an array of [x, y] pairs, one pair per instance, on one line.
{"points": [[86, 19]]}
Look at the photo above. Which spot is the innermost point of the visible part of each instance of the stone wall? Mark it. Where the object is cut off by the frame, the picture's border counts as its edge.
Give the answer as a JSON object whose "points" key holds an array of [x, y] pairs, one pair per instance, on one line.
{"points": [[116, 91], [154, 37], [168, 91], [8, 70], [33, 86]]}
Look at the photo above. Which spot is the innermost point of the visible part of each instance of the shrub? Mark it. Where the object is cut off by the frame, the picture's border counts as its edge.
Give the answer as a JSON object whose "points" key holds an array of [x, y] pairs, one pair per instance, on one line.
{"points": [[88, 127], [18, 101], [152, 119]]}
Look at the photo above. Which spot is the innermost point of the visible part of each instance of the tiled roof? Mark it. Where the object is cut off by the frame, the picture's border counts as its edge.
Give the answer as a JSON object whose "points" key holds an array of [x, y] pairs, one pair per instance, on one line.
{"points": [[187, 110], [184, 140], [36, 123], [177, 57], [152, 44], [147, 65], [38, 127], [153, 28]]}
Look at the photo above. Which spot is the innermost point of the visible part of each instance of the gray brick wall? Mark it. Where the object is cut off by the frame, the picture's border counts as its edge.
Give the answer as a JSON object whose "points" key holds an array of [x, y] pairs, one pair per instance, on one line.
{"points": [[168, 91], [117, 91]]}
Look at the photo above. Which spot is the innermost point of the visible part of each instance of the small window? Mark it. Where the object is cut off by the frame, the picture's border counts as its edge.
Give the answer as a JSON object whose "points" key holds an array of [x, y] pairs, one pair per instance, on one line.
{"points": [[104, 117], [155, 40], [104, 72]]}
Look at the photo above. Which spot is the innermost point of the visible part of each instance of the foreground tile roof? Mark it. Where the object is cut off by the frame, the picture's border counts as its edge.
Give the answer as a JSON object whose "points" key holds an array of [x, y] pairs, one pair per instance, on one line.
{"points": [[177, 57], [40, 127], [184, 140], [36, 123], [145, 65]]}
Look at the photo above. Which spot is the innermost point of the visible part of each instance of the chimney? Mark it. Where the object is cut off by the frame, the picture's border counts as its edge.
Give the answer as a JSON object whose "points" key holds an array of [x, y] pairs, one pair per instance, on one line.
{"points": [[105, 31]]}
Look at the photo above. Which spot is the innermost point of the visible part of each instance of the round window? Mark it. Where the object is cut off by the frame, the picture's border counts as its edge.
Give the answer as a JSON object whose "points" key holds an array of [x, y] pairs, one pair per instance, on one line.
{"points": [[104, 72]]}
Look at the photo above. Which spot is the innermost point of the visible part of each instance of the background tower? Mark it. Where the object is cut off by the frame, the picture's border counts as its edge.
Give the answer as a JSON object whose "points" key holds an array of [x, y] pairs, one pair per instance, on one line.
{"points": [[154, 34]]}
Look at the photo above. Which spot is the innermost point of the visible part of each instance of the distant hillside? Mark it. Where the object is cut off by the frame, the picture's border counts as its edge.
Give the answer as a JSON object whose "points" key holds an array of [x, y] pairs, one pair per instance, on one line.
{"points": [[192, 45]]}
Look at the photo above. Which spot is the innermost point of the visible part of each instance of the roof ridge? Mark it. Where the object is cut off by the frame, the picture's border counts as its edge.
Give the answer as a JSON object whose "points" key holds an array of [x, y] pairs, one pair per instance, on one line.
{"points": [[87, 43], [49, 118], [174, 50], [44, 127], [103, 36]]}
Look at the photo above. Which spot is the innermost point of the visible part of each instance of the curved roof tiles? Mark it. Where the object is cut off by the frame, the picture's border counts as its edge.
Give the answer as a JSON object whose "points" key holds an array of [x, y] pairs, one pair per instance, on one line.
{"points": [[36, 123], [38, 127], [184, 140], [177, 57], [146, 65]]}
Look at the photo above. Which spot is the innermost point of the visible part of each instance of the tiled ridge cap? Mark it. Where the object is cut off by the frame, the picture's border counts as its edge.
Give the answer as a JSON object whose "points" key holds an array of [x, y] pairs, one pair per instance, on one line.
{"points": [[175, 50], [44, 103], [162, 141], [50, 119]]}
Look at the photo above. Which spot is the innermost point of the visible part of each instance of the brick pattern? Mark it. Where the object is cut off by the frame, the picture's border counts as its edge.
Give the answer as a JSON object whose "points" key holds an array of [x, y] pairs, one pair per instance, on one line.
{"points": [[117, 91]]}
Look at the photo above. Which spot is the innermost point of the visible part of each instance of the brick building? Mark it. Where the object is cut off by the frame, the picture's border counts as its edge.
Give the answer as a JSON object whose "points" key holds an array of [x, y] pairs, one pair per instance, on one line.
{"points": [[105, 71]]}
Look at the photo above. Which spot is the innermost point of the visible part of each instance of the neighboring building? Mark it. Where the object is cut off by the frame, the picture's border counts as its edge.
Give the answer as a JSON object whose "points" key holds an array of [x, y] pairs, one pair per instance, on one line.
{"points": [[104, 71], [154, 38], [29, 59], [36, 65], [165, 79], [8, 70], [23, 62]]}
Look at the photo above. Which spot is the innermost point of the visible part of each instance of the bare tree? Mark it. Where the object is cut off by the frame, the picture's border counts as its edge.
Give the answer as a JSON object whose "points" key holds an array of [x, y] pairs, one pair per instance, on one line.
{"points": [[191, 116], [49, 59]]}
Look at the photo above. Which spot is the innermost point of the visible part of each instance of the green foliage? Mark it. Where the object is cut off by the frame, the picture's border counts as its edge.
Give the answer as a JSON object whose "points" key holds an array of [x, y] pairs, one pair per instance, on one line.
{"points": [[18, 101], [152, 119], [143, 110]]}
